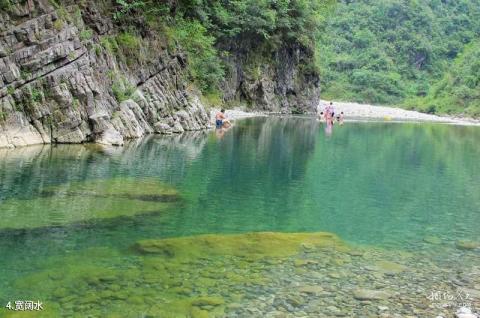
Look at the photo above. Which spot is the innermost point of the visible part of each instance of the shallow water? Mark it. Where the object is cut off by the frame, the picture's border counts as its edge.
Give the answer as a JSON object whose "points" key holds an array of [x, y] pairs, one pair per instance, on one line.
{"points": [[375, 185]]}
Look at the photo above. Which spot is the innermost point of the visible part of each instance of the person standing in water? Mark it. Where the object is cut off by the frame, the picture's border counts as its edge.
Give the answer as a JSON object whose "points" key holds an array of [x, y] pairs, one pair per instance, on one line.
{"points": [[329, 114]]}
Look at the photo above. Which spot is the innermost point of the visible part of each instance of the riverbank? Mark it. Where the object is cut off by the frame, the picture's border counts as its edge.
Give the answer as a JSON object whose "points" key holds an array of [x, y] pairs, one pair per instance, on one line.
{"points": [[360, 112], [357, 111], [235, 114]]}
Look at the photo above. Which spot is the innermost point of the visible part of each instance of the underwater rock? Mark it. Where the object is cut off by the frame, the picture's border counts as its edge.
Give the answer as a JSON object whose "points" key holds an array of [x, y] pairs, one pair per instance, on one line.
{"points": [[311, 289], [208, 301], [87, 201], [295, 300], [389, 268], [355, 253], [251, 245], [432, 240], [467, 245], [367, 294]]}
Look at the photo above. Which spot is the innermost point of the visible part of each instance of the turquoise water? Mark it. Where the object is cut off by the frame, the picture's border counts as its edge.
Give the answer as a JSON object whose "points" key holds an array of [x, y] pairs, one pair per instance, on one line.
{"points": [[379, 184]]}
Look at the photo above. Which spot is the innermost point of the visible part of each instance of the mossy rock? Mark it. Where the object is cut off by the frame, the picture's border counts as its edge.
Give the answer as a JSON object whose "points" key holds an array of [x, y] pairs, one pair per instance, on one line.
{"points": [[178, 283], [208, 301], [252, 246], [467, 245], [86, 202]]}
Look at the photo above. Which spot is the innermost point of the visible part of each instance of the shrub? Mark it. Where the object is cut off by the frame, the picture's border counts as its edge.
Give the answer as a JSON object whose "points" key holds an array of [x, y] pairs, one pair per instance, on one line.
{"points": [[122, 89], [58, 24], [86, 34]]}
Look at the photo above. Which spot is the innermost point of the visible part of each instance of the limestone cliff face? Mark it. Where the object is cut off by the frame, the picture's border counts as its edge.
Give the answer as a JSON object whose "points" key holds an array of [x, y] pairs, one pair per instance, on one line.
{"points": [[62, 79], [277, 80], [58, 82]]}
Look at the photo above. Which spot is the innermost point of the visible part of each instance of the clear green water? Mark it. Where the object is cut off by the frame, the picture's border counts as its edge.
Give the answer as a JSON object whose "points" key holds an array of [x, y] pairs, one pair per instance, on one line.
{"points": [[378, 184]]}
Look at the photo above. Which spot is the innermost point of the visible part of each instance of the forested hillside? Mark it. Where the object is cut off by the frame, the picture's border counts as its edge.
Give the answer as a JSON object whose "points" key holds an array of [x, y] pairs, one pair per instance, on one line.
{"points": [[399, 52], [459, 89]]}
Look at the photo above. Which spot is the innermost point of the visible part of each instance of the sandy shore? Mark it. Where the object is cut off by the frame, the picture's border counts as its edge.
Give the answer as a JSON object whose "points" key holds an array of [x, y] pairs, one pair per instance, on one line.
{"points": [[357, 111]]}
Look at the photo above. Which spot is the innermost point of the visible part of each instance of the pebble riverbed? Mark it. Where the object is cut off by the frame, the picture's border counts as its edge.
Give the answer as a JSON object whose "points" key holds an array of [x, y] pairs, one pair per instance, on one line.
{"points": [[432, 282]]}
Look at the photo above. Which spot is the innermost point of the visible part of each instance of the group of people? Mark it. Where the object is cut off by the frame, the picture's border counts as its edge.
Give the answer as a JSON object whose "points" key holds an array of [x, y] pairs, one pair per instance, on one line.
{"points": [[328, 114]]}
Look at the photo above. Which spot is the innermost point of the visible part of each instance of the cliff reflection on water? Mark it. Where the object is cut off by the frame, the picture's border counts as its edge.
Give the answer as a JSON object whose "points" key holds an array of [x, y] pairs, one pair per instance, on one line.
{"points": [[376, 183]]}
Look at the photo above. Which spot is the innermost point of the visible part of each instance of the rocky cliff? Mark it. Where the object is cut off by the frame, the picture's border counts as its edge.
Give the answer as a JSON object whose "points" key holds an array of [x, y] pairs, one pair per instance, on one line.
{"points": [[67, 75], [60, 84], [278, 80]]}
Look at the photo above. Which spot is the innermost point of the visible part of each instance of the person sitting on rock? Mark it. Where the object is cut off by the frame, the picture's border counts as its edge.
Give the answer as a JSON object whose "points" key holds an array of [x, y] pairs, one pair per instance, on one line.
{"points": [[221, 120]]}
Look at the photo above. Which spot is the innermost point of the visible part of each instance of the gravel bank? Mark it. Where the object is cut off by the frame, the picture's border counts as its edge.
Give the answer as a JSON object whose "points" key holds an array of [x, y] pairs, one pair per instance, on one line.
{"points": [[234, 114], [365, 111]]}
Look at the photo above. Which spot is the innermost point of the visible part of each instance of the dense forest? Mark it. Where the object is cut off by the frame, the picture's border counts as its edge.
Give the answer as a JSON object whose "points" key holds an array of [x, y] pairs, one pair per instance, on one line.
{"points": [[420, 54]]}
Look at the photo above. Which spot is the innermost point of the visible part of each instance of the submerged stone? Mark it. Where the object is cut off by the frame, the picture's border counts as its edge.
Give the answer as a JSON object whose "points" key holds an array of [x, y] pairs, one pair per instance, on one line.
{"points": [[367, 294], [208, 301], [86, 201], [251, 245], [311, 289], [467, 245], [432, 240]]}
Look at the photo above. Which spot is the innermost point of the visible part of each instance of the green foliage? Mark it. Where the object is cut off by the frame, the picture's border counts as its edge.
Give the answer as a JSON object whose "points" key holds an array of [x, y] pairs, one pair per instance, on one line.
{"points": [[286, 20], [6, 5], [459, 89], [75, 103], [18, 107], [124, 8], [25, 75], [110, 44], [86, 34], [204, 64], [128, 41], [55, 4], [10, 90], [58, 24], [36, 95], [392, 50], [122, 89], [97, 49], [212, 99]]}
